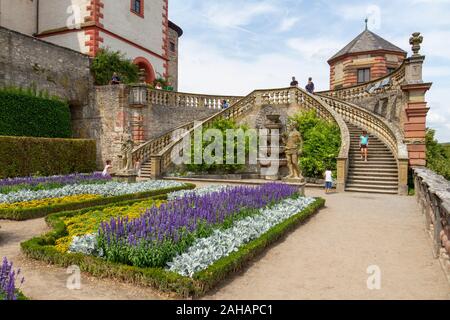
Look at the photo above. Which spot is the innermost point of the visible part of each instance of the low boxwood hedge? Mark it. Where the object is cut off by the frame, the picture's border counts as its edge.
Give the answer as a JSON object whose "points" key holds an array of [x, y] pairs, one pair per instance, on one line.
{"points": [[33, 213], [42, 248]]}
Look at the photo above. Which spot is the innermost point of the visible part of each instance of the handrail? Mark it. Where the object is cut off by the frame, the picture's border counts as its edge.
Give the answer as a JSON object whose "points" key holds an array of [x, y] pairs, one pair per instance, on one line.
{"points": [[271, 97], [373, 123], [358, 91], [193, 100], [433, 195]]}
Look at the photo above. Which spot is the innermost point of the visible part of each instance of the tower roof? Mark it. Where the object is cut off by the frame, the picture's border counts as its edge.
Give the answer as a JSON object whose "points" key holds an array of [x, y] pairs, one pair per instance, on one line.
{"points": [[367, 41]]}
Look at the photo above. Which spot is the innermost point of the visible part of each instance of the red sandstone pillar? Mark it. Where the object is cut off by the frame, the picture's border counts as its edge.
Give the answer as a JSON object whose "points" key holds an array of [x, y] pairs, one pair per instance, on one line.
{"points": [[416, 109]]}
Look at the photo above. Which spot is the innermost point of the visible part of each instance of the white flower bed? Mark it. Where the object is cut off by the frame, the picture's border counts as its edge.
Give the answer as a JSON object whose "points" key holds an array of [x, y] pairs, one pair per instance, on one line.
{"points": [[204, 252], [109, 189], [199, 192]]}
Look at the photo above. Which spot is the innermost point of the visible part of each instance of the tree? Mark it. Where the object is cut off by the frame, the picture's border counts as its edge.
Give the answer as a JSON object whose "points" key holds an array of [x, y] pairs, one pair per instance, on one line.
{"points": [[438, 158], [106, 62]]}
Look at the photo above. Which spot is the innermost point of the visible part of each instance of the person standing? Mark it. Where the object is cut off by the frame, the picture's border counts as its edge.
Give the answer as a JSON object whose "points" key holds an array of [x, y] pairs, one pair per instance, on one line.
{"points": [[294, 83], [310, 86], [328, 181], [107, 169], [364, 142], [225, 104]]}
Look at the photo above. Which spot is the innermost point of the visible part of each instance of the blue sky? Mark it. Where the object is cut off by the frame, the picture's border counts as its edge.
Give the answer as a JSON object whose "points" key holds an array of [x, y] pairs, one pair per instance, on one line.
{"points": [[234, 47]]}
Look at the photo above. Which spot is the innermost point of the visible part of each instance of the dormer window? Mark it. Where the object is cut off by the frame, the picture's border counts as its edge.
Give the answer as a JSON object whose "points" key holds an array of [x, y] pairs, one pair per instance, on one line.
{"points": [[137, 7]]}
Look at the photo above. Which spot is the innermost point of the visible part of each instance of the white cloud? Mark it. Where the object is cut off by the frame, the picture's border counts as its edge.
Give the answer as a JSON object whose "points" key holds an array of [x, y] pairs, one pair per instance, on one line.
{"points": [[236, 15], [207, 69], [317, 48], [288, 23]]}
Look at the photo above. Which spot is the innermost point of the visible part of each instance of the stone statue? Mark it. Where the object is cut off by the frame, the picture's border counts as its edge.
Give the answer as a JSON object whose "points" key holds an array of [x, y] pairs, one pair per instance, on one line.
{"points": [[127, 151], [293, 149]]}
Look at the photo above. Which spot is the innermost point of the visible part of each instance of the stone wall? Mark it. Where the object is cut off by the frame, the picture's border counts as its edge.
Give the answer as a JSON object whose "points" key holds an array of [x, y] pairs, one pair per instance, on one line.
{"points": [[29, 62], [160, 119], [173, 58]]}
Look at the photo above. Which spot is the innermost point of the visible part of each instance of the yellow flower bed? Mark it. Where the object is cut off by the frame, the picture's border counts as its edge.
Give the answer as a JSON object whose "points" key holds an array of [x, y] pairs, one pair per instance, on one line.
{"points": [[89, 222], [48, 202]]}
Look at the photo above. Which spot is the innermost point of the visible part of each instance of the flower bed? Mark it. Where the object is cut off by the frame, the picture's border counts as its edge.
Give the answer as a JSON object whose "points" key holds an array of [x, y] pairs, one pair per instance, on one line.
{"points": [[161, 233], [8, 277], [47, 202], [53, 182], [86, 225], [202, 280], [112, 192]]}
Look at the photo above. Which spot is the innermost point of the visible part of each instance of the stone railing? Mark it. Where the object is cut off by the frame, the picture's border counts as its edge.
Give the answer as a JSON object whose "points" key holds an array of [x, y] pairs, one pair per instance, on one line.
{"points": [[376, 125], [433, 196], [359, 92], [162, 161], [180, 99]]}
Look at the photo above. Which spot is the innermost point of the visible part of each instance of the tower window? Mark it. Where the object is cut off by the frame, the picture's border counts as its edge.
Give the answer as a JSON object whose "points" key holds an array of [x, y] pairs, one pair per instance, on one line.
{"points": [[363, 75], [390, 70], [172, 47], [137, 7]]}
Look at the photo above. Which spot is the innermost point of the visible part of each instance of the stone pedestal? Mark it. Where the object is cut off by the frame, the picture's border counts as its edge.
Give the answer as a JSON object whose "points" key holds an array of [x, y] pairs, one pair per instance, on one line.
{"points": [[301, 183], [130, 177]]}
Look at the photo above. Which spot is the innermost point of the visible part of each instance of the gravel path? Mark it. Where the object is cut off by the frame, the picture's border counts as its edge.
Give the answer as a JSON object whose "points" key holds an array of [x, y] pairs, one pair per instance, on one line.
{"points": [[326, 258]]}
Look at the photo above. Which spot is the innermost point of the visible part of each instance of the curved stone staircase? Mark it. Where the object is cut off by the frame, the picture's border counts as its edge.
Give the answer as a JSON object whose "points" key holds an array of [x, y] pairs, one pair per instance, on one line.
{"points": [[388, 159], [379, 174]]}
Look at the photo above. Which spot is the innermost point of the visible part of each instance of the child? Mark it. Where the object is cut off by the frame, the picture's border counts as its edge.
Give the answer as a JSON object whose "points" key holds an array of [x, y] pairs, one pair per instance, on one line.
{"points": [[364, 141], [108, 167], [328, 181]]}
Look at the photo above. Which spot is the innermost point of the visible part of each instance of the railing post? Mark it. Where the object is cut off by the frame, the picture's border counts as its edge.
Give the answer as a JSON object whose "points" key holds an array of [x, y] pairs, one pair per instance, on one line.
{"points": [[155, 166], [258, 99], [403, 177], [341, 174]]}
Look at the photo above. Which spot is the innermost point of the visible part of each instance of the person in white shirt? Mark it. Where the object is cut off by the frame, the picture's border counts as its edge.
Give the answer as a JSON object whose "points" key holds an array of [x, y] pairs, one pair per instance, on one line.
{"points": [[328, 181], [108, 167]]}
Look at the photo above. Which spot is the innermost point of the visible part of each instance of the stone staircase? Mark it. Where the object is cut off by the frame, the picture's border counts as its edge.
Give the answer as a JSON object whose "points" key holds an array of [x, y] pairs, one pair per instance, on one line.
{"points": [[146, 170], [379, 174]]}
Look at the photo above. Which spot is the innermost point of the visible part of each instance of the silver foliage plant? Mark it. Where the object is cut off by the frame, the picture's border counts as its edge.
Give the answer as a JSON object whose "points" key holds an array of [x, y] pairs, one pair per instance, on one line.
{"points": [[86, 244], [109, 189], [199, 192], [204, 252]]}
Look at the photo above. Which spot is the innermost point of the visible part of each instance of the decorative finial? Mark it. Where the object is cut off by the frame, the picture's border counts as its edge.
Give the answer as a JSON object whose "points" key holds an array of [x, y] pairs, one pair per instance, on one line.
{"points": [[367, 23], [415, 41]]}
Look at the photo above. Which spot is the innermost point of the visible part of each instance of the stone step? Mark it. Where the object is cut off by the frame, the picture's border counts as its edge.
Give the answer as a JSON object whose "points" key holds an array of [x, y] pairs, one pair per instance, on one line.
{"points": [[372, 160], [371, 186], [368, 165], [374, 175], [387, 183], [369, 190], [373, 170]]}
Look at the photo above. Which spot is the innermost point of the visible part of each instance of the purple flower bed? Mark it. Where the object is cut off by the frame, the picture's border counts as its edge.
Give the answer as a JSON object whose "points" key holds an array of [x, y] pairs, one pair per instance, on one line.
{"points": [[8, 276], [60, 180], [161, 233]]}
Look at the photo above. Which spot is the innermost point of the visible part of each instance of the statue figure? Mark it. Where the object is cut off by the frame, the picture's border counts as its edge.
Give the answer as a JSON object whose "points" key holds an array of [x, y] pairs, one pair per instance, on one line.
{"points": [[127, 151], [293, 149]]}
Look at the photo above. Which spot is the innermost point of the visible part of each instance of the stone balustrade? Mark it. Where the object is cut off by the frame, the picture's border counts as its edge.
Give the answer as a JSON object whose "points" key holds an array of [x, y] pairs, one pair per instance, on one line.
{"points": [[161, 161], [179, 99], [433, 196], [360, 92], [376, 125]]}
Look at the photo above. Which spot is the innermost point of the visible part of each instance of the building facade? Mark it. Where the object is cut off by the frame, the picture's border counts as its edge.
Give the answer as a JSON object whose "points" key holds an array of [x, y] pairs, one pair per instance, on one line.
{"points": [[138, 28], [365, 58]]}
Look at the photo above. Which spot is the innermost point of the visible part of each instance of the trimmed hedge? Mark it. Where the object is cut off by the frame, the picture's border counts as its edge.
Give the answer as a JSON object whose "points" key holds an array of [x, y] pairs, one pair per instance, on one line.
{"points": [[42, 248], [29, 114], [33, 213], [25, 156]]}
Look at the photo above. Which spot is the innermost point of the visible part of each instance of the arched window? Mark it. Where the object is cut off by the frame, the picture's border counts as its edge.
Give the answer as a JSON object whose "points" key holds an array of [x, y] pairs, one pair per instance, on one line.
{"points": [[144, 64]]}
